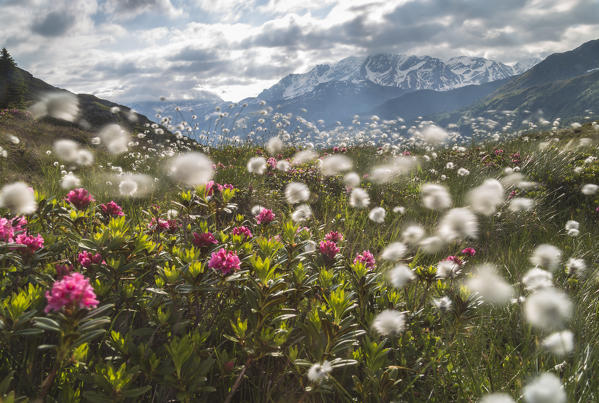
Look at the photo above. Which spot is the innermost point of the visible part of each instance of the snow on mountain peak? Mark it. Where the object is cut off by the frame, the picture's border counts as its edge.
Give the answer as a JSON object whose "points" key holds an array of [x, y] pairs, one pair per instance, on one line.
{"points": [[394, 70]]}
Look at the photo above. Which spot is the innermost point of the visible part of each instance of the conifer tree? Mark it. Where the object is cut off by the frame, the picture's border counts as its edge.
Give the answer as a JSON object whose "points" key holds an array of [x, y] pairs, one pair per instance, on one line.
{"points": [[12, 87]]}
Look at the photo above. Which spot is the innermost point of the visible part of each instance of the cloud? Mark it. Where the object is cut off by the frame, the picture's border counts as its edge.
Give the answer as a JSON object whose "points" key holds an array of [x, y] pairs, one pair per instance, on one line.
{"points": [[125, 9], [53, 24]]}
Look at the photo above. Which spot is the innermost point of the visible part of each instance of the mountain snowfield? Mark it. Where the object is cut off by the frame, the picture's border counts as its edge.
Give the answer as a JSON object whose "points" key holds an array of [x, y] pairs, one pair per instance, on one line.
{"points": [[399, 71]]}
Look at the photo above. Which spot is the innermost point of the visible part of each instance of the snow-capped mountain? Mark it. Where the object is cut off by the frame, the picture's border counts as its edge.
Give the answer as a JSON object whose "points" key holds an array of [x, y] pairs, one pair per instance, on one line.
{"points": [[390, 70]]}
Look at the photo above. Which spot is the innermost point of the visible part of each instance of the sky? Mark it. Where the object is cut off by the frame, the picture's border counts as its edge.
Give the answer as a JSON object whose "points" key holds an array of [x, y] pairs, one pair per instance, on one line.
{"points": [[139, 50]]}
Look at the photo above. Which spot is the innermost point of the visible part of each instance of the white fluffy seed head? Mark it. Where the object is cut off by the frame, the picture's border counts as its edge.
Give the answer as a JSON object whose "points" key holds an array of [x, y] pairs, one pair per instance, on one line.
{"points": [[491, 287], [518, 204], [58, 105], [296, 192], [413, 234], [485, 198], [392, 170], [548, 309], [115, 138], [318, 372], [70, 181], [274, 145], [559, 343], [256, 165], [576, 266], [84, 158], [589, 189], [359, 198], [400, 275], [458, 224], [389, 322], [448, 269], [546, 256], [66, 150], [301, 157], [435, 197], [191, 169], [283, 165], [434, 135], [127, 187], [335, 164], [546, 388], [497, 398], [18, 198], [302, 213], [431, 245], [377, 215], [351, 179], [537, 279], [394, 251]]}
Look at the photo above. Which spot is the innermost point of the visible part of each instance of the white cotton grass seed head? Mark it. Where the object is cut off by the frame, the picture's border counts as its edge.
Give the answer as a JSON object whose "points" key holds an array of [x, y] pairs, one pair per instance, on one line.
{"points": [[546, 388], [485, 198], [400, 275], [497, 398], [393, 169], [172, 214], [572, 224], [359, 198], [435, 196], [59, 105], [431, 245], [447, 269], [18, 197], [413, 234], [115, 138], [491, 287], [399, 210], [575, 266], [310, 246], [70, 181], [84, 158], [13, 139], [127, 187], [458, 224], [191, 169], [518, 204], [296, 192], [256, 165], [548, 309], [335, 165], [546, 256], [537, 279], [389, 322], [394, 251], [377, 215], [283, 165], [66, 150], [443, 304], [301, 157], [351, 179], [589, 189], [463, 172], [302, 213], [257, 209], [274, 145], [434, 135], [319, 372], [559, 343]]}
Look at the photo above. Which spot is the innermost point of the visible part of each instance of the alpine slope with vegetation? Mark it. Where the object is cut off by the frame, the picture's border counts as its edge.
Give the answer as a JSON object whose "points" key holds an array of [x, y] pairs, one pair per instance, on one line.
{"points": [[148, 267]]}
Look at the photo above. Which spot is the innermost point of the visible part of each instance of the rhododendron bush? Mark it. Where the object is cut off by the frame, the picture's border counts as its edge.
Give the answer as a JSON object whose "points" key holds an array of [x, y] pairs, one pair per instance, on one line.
{"points": [[280, 273]]}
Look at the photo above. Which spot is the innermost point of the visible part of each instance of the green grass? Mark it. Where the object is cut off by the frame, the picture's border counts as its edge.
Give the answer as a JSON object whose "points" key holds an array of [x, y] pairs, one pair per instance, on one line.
{"points": [[180, 336]]}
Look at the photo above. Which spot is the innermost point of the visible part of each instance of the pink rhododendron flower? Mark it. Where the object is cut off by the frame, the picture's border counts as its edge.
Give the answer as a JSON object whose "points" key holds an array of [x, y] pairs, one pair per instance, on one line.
{"points": [[456, 259], [80, 198], [203, 240], [32, 242], [334, 236], [224, 261], [329, 249], [367, 258], [469, 251], [265, 216], [271, 163], [242, 231], [111, 209], [73, 291], [86, 259]]}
